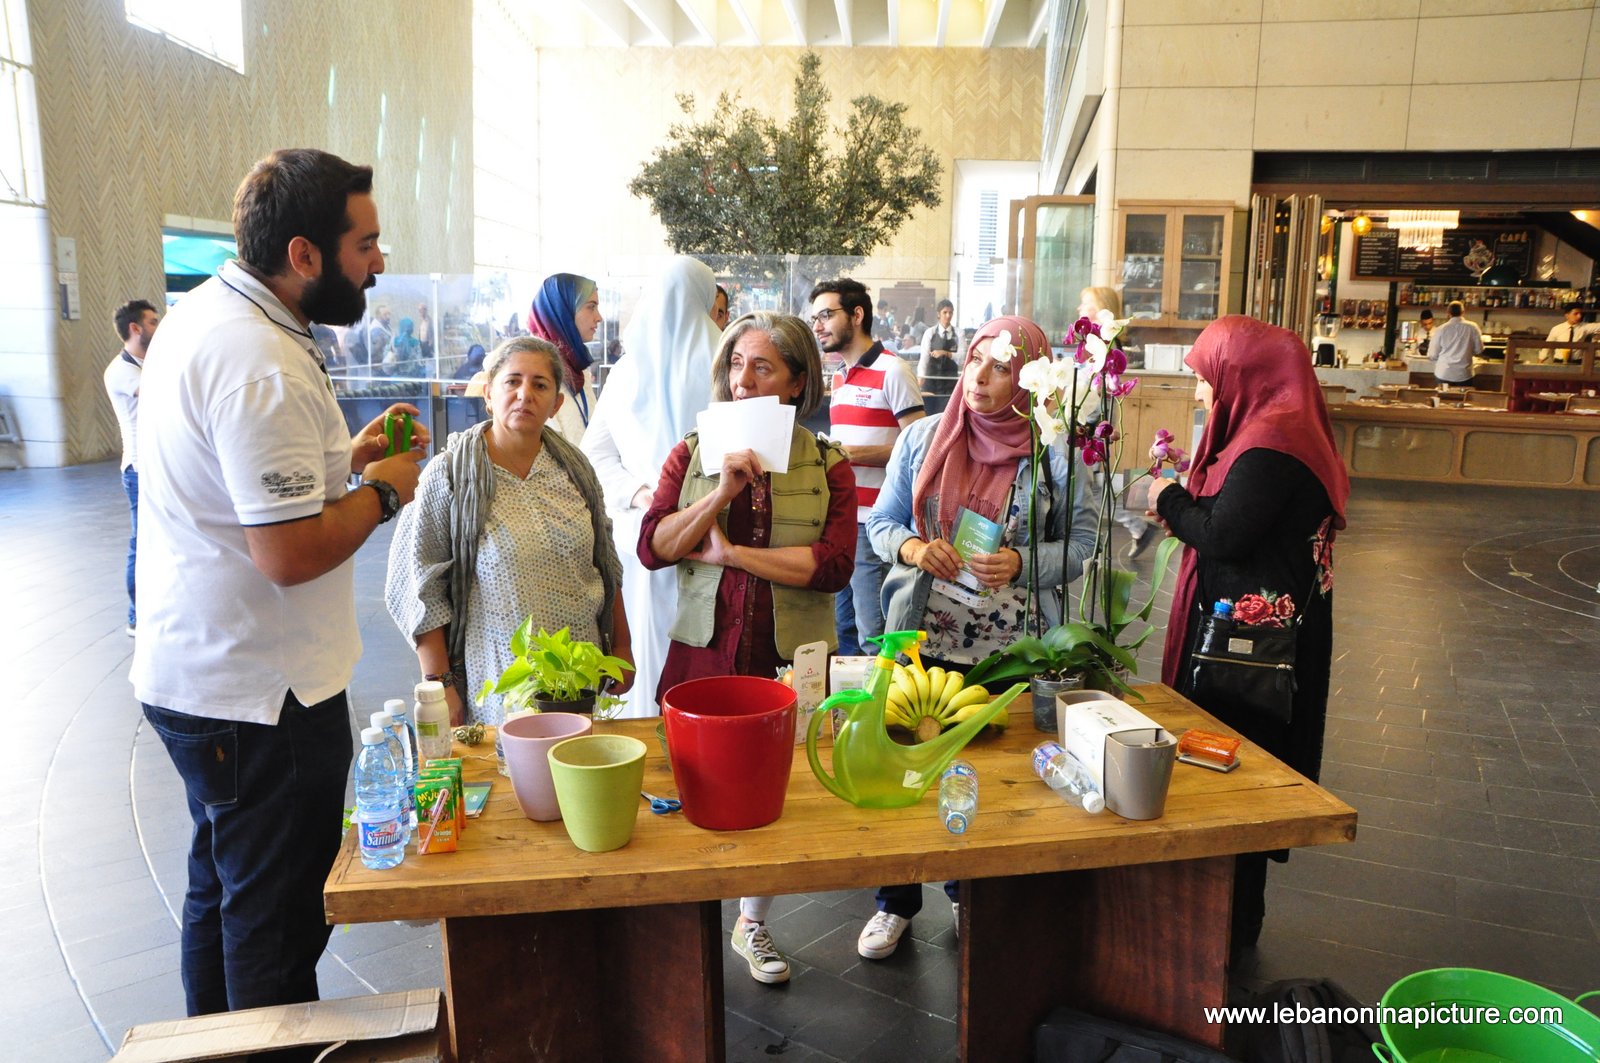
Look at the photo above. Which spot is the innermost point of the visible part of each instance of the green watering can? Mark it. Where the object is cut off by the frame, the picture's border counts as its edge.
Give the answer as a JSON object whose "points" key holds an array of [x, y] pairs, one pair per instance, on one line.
{"points": [[872, 770]]}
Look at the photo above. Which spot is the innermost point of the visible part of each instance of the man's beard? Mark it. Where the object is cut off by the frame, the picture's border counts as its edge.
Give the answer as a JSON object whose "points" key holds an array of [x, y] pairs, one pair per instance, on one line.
{"points": [[843, 337], [334, 299]]}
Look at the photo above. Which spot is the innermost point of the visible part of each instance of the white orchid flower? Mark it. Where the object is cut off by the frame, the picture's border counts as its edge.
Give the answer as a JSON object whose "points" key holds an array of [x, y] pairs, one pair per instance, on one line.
{"points": [[1049, 431], [1105, 319], [1097, 349], [1060, 375], [1034, 375], [1001, 348]]}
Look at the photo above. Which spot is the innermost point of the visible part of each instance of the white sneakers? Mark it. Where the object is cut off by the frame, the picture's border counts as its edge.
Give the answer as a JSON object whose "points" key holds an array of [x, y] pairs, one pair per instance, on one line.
{"points": [[754, 942], [881, 936]]}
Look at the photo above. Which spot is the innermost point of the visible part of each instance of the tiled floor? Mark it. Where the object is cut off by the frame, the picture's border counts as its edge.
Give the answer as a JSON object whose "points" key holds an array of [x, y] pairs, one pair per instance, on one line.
{"points": [[1465, 729]]}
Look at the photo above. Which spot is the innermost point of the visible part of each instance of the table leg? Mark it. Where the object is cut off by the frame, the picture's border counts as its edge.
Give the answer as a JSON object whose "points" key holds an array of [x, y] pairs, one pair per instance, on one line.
{"points": [[609, 983], [1145, 944]]}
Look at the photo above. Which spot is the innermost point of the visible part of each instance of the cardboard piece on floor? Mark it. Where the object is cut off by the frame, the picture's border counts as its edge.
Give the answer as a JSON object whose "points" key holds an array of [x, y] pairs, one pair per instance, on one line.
{"points": [[387, 1027]]}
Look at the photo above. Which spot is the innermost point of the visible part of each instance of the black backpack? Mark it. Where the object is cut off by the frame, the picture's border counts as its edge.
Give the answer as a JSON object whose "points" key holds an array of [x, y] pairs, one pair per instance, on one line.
{"points": [[1309, 1042], [1068, 1036]]}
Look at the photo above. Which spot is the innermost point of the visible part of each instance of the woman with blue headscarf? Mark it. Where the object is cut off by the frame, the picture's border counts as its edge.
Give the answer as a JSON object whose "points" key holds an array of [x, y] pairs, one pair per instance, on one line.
{"points": [[405, 351], [567, 313]]}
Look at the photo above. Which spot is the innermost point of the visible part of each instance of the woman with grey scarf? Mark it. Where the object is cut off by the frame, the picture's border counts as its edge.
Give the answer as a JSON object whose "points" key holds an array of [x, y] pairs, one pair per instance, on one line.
{"points": [[509, 522]]}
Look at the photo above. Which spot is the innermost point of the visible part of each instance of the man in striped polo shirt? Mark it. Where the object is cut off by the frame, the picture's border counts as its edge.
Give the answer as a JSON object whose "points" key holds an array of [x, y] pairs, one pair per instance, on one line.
{"points": [[874, 397]]}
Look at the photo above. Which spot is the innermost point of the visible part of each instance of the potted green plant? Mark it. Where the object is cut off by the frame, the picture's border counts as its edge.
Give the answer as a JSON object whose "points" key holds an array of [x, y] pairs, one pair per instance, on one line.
{"points": [[1088, 649], [555, 673]]}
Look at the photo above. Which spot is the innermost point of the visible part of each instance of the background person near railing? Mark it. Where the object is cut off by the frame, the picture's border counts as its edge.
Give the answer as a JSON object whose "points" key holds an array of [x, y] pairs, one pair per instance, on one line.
{"points": [[1571, 329]]}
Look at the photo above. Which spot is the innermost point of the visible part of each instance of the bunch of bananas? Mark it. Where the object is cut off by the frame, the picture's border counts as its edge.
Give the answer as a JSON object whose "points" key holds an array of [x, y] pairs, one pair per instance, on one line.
{"points": [[928, 702]]}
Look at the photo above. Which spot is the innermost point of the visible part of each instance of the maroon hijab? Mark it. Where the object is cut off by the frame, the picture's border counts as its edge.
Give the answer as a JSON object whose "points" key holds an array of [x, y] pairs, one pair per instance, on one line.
{"points": [[972, 459], [1264, 395]]}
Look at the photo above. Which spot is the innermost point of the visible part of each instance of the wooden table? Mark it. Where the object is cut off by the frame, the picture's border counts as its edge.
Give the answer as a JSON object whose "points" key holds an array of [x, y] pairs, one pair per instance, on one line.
{"points": [[553, 953]]}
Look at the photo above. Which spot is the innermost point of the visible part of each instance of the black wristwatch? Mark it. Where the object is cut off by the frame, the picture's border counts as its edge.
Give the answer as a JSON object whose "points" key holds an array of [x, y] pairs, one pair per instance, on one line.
{"points": [[388, 498]]}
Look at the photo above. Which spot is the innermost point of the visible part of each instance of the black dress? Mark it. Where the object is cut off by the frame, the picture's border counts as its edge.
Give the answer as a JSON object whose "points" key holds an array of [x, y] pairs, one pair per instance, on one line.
{"points": [[1260, 532]]}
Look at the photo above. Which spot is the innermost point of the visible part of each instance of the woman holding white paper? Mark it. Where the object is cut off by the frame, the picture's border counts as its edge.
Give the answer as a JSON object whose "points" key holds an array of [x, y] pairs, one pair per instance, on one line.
{"points": [[650, 401], [759, 554]]}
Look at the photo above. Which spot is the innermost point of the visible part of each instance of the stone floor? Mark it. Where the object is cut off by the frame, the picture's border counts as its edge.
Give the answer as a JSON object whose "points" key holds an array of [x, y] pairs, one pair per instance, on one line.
{"points": [[1465, 728]]}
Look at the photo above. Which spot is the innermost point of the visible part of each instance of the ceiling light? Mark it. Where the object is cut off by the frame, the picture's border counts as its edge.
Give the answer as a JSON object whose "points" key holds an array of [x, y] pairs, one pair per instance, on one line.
{"points": [[1423, 229]]}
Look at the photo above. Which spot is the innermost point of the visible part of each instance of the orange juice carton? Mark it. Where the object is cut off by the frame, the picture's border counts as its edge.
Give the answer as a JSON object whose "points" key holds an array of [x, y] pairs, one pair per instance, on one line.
{"points": [[437, 812], [449, 769]]}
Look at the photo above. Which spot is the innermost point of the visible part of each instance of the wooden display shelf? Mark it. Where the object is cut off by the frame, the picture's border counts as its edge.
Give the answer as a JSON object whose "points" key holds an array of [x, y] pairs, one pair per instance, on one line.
{"points": [[1548, 311]]}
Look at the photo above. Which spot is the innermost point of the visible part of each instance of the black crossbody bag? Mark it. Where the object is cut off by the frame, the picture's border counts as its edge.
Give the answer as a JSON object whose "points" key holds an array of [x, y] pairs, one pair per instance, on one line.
{"points": [[1244, 666]]}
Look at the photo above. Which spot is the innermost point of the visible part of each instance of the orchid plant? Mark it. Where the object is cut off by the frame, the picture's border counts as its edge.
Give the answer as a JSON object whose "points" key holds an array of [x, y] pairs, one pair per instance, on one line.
{"points": [[1060, 408]]}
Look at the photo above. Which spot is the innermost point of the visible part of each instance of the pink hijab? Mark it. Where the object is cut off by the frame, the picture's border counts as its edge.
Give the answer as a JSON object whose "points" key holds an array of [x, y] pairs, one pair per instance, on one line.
{"points": [[972, 458], [1264, 395]]}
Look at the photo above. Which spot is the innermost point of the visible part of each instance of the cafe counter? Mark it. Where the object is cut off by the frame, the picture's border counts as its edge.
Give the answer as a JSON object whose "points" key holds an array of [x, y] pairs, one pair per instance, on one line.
{"points": [[1468, 444]]}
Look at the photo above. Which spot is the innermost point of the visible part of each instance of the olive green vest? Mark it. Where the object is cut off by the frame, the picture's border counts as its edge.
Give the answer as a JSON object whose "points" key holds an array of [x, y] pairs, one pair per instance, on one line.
{"points": [[799, 512]]}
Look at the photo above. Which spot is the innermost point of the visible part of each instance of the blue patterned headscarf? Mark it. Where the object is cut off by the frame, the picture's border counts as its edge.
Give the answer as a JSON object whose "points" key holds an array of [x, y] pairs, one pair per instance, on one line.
{"points": [[552, 317]]}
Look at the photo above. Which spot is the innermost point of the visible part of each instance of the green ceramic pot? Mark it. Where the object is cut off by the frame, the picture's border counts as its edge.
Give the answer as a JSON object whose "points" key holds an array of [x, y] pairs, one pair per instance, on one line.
{"points": [[598, 779]]}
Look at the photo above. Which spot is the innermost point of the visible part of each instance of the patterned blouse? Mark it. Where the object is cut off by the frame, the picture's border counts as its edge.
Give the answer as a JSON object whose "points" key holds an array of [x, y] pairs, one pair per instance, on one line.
{"points": [[535, 556]]}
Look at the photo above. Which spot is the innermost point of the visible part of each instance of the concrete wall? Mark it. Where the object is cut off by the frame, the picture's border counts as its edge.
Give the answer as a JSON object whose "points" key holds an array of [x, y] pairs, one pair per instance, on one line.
{"points": [[136, 127], [1207, 83]]}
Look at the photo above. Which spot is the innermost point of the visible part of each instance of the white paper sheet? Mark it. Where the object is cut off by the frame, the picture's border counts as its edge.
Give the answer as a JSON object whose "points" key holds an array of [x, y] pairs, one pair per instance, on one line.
{"points": [[762, 424]]}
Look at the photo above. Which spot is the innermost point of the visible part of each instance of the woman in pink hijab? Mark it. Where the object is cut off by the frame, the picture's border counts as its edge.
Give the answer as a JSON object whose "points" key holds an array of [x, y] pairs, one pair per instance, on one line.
{"points": [[1264, 500], [975, 457]]}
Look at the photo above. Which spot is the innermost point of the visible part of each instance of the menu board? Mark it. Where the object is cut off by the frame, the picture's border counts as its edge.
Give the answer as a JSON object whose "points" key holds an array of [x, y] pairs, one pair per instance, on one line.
{"points": [[1467, 251]]}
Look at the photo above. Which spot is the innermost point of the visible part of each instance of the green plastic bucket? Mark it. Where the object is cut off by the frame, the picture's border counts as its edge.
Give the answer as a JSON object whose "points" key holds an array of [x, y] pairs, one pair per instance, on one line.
{"points": [[1467, 1037]]}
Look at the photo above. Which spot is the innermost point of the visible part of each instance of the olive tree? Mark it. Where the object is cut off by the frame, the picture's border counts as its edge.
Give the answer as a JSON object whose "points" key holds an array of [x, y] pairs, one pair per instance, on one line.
{"points": [[739, 187]]}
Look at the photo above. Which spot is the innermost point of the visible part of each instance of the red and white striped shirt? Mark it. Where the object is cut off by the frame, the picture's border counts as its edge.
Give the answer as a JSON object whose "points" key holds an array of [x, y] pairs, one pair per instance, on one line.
{"points": [[869, 398]]}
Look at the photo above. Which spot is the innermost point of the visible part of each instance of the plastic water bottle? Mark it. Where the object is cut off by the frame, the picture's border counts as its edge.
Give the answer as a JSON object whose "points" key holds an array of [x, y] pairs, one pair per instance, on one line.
{"points": [[407, 734], [958, 797], [1067, 776], [385, 723], [432, 716], [380, 828]]}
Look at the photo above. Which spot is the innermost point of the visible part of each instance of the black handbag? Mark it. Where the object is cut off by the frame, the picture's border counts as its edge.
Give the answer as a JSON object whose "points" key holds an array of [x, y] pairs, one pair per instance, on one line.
{"points": [[1238, 666]]}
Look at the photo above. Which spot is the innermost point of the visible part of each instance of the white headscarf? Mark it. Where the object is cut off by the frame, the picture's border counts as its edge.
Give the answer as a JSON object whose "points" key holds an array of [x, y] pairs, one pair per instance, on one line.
{"points": [[664, 378]]}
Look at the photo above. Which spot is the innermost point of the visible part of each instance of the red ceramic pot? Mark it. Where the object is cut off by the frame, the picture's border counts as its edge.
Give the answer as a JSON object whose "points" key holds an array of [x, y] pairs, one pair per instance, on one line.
{"points": [[731, 740]]}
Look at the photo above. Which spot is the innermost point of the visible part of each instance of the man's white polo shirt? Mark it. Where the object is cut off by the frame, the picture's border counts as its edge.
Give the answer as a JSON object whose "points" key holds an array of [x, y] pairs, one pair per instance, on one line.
{"points": [[237, 426]]}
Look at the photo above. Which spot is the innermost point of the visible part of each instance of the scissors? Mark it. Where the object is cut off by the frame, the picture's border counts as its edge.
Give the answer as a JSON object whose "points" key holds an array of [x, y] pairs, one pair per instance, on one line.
{"points": [[662, 806]]}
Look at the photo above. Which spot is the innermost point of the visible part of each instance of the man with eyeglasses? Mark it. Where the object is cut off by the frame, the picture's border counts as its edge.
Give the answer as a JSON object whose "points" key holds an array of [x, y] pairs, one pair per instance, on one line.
{"points": [[875, 396]]}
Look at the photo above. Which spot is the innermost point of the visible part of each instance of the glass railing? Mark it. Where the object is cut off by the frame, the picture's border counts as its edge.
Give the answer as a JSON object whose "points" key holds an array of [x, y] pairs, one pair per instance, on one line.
{"points": [[414, 343]]}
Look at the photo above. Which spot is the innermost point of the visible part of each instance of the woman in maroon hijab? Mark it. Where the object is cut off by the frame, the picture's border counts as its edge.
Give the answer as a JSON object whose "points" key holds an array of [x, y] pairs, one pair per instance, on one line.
{"points": [[1265, 497]]}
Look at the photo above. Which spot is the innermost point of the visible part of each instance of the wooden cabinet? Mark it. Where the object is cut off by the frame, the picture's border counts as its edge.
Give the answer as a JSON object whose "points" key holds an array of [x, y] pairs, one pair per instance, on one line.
{"points": [[1161, 400], [1175, 262]]}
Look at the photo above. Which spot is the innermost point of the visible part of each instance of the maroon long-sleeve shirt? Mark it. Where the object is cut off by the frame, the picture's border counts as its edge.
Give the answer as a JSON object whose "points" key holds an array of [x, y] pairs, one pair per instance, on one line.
{"points": [[743, 640]]}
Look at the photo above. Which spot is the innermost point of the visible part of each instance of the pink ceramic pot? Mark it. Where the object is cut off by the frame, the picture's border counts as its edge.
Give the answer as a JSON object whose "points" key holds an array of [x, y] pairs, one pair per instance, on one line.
{"points": [[527, 741]]}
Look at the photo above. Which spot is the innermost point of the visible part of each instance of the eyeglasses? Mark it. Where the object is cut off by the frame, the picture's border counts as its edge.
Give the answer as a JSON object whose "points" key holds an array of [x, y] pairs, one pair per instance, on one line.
{"points": [[824, 315]]}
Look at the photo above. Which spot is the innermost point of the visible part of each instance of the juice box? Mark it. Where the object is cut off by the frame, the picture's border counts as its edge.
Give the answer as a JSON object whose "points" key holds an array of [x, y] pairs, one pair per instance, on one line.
{"points": [[437, 813], [449, 769]]}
